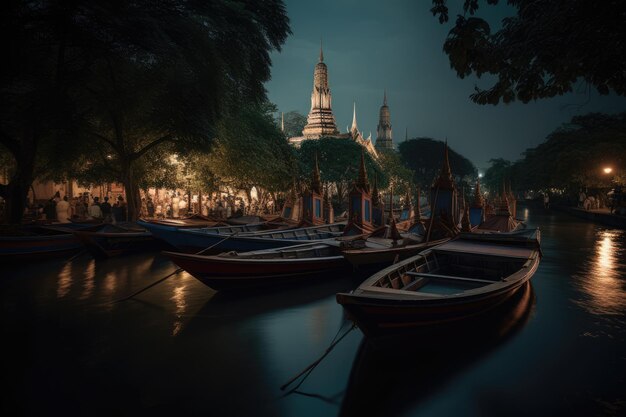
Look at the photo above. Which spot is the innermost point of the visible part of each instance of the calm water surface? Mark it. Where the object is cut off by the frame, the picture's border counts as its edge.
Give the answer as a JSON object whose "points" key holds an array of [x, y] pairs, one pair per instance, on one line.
{"points": [[182, 349]]}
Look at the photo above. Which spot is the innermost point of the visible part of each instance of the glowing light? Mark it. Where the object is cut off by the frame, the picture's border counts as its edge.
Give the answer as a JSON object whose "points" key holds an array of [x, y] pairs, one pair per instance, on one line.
{"points": [[480, 175], [181, 308], [608, 170]]}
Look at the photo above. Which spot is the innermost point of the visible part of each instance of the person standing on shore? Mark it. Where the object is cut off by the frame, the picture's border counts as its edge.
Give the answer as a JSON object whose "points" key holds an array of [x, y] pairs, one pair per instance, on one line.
{"points": [[546, 200], [63, 210], [94, 210]]}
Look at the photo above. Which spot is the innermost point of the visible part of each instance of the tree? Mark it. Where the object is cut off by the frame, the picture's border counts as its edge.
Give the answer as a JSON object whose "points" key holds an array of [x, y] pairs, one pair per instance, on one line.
{"points": [[496, 175], [294, 123], [542, 51], [129, 76], [574, 155], [424, 156], [250, 151]]}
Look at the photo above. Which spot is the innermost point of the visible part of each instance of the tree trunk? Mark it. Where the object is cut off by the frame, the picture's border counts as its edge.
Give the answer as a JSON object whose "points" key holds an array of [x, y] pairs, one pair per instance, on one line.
{"points": [[133, 199], [16, 191]]}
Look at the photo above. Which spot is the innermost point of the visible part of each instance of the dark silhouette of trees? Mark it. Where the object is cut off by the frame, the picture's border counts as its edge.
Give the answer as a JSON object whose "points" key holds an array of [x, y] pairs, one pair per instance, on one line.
{"points": [[542, 51], [127, 77], [424, 156], [574, 155]]}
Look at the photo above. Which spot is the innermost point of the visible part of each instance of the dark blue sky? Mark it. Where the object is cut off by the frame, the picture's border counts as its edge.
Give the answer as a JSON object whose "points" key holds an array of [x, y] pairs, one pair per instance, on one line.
{"points": [[370, 45]]}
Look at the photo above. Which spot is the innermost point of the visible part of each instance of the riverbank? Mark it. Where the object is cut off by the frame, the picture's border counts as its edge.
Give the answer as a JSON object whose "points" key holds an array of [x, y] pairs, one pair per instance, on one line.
{"points": [[601, 216]]}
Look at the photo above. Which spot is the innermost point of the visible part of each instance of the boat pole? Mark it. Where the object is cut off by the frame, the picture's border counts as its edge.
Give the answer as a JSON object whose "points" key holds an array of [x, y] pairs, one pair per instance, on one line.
{"points": [[432, 215], [175, 272]]}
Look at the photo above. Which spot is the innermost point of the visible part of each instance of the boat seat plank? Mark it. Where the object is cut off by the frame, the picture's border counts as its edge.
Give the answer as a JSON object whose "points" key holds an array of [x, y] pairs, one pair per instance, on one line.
{"points": [[435, 276], [486, 249]]}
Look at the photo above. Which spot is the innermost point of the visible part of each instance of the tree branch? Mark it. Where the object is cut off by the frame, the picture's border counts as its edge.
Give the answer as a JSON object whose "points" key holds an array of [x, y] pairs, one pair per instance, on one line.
{"points": [[141, 152]]}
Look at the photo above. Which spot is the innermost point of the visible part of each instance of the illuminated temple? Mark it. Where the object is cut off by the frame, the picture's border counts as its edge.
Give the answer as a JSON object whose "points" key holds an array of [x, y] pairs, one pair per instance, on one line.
{"points": [[321, 120]]}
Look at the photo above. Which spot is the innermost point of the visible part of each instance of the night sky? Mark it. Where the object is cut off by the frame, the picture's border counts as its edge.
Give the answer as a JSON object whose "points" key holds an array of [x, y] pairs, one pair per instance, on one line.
{"points": [[370, 45]]}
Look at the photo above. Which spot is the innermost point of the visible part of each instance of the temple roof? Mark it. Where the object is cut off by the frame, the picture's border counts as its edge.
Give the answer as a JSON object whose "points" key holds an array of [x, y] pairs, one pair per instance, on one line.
{"points": [[362, 182], [445, 180]]}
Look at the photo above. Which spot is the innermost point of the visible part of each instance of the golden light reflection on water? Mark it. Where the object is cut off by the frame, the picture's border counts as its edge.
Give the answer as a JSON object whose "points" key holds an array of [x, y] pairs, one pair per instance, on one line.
{"points": [[65, 280], [89, 281], [181, 308], [603, 280]]}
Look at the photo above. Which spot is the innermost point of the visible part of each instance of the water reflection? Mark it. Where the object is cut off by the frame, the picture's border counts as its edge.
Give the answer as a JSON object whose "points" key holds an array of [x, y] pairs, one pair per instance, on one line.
{"points": [[602, 280], [64, 282], [181, 308], [89, 280], [390, 377]]}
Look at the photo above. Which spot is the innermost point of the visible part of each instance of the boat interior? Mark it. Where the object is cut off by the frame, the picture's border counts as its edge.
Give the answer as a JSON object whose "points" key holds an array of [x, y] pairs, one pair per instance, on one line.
{"points": [[291, 252], [442, 272], [307, 233]]}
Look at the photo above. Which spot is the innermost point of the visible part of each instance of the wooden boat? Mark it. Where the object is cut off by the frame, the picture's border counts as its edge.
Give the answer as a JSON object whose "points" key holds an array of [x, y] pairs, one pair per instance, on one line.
{"points": [[452, 281], [112, 240], [387, 253], [195, 220], [240, 238], [244, 270], [38, 242]]}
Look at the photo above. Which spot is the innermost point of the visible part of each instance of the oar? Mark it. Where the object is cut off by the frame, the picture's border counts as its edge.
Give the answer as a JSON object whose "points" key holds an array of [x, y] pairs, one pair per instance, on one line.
{"points": [[175, 272]]}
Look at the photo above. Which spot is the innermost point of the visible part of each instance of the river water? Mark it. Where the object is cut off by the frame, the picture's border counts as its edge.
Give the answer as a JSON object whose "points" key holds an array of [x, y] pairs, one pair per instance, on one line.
{"points": [[181, 349]]}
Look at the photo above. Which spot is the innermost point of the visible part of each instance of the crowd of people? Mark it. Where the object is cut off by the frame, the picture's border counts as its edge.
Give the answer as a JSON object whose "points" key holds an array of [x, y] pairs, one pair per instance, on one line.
{"points": [[82, 207], [174, 205]]}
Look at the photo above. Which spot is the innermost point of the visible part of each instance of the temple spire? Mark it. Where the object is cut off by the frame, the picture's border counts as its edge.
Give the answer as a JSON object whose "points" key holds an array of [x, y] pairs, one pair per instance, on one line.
{"points": [[385, 97], [362, 180], [316, 182], [321, 52], [445, 179], [354, 128], [478, 198], [282, 122]]}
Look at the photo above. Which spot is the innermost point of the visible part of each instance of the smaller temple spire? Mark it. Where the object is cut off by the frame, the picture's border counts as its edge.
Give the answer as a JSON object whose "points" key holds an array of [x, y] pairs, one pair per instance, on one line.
{"points": [[385, 97], [375, 193], [393, 233], [354, 128], [316, 182], [445, 179], [321, 51], [362, 180], [282, 122]]}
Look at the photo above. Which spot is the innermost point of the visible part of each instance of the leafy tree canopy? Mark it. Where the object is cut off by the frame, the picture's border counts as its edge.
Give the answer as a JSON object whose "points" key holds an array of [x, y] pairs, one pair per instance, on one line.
{"points": [[294, 123], [574, 155], [542, 51], [424, 156]]}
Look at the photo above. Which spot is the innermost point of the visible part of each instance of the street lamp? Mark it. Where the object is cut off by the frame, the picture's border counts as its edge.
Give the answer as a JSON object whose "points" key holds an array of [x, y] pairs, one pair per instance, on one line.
{"points": [[608, 170]]}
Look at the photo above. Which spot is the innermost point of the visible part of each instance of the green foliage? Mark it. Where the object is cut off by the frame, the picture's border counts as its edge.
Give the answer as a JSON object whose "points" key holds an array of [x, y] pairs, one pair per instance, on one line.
{"points": [[339, 160], [124, 79], [294, 123], [251, 151], [542, 51], [574, 155], [424, 156], [400, 177]]}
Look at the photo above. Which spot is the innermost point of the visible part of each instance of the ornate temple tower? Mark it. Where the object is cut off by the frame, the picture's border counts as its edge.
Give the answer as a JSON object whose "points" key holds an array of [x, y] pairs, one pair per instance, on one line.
{"points": [[443, 193], [384, 137], [321, 121]]}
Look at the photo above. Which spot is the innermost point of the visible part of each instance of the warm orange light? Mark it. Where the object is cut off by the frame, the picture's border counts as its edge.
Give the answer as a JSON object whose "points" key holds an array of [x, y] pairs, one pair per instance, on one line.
{"points": [[608, 170]]}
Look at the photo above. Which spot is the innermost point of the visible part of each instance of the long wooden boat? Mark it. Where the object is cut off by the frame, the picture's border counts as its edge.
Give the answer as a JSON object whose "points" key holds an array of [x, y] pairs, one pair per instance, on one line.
{"points": [[254, 269], [388, 252], [112, 240], [38, 242], [449, 282], [240, 238]]}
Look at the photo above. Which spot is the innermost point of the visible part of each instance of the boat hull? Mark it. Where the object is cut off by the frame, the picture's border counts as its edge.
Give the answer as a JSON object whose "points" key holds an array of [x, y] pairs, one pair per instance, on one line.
{"points": [[373, 257], [225, 274], [21, 248], [387, 304], [105, 245]]}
